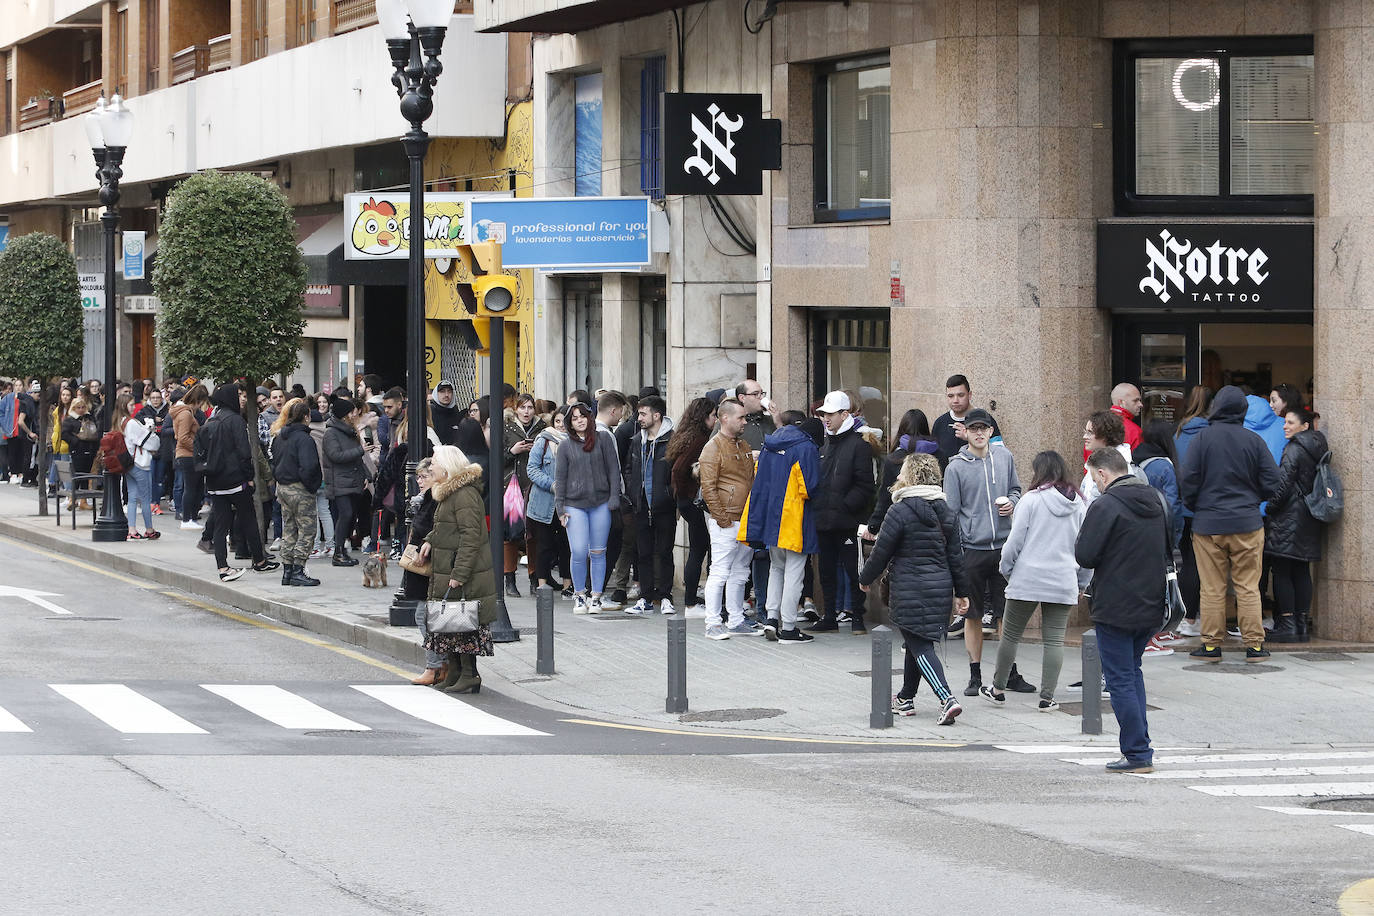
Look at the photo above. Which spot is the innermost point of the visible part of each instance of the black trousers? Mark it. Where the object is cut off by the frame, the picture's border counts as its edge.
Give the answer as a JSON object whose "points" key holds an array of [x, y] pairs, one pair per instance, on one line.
{"points": [[235, 510], [20, 448], [839, 549], [985, 582], [921, 661], [1292, 585], [345, 517], [192, 489], [698, 551], [1188, 580], [655, 535], [551, 550]]}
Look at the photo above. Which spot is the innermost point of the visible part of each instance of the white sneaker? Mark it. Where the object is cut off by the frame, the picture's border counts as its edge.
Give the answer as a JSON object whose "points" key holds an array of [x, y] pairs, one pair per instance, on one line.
{"points": [[610, 604], [717, 631], [666, 608], [1189, 628], [189, 525], [594, 606], [695, 612], [632, 593], [642, 608], [580, 604]]}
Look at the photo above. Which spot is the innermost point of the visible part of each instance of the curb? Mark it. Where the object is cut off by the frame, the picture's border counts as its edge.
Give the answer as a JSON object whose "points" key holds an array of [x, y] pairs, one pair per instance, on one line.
{"points": [[394, 645]]}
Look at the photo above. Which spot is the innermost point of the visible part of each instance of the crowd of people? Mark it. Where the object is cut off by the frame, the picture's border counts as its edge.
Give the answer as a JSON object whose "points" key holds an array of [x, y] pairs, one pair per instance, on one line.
{"points": [[776, 505]]}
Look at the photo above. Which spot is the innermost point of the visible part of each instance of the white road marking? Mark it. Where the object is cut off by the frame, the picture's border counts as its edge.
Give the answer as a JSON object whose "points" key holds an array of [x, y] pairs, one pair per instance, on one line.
{"points": [[33, 597], [126, 710], [1359, 828], [8, 723], [1305, 812], [282, 707], [1290, 790], [1257, 772], [1241, 758], [443, 710]]}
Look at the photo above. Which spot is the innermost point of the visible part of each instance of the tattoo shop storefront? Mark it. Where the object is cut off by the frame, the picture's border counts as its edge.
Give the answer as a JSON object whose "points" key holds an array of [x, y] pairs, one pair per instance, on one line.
{"points": [[1210, 303]]}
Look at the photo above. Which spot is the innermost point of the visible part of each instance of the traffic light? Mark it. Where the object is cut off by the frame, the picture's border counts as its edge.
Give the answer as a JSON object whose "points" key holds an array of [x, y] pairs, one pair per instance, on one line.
{"points": [[495, 295]]}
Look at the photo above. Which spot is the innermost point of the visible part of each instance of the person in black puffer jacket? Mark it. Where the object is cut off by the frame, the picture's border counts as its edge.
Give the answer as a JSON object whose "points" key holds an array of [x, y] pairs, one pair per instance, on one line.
{"points": [[345, 475], [841, 503], [296, 465], [919, 545], [1294, 537]]}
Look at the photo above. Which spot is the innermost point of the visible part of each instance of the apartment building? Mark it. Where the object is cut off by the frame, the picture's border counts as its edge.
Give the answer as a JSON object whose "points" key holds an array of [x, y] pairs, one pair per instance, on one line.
{"points": [[298, 91], [1049, 196]]}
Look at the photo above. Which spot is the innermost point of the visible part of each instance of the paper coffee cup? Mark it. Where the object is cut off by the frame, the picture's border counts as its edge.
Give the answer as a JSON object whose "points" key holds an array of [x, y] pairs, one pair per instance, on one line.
{"points": [[1003, 501]]}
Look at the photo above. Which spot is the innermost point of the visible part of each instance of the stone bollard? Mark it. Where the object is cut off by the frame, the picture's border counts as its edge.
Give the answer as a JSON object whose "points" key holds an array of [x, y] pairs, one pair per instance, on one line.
{"points": [[543, 610], [1092, 685], [880, 715], [677, 664]]}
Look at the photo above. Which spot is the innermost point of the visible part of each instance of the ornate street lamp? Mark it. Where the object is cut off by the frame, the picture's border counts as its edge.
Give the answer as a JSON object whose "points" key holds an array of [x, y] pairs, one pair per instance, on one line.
{"points": [[109, 129], [413, 28]]}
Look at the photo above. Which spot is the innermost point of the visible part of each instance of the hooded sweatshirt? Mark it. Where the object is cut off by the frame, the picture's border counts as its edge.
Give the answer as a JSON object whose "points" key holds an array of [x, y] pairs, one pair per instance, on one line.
{"points": [[778, 513], [1124, 542], [1261, 420], [446, 420], [1038, 557], [972, 486], [1228, 472], [648, 473], [1186, 434]]}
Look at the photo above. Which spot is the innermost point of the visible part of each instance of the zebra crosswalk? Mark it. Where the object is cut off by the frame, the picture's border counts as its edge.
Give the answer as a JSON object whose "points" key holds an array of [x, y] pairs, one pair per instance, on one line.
{"points": [[1256, 775], [176, 717]]}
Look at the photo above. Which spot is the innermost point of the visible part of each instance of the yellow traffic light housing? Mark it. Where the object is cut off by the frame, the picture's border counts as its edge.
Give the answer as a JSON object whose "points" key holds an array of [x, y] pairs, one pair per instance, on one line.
{"points": [[495, 295]]}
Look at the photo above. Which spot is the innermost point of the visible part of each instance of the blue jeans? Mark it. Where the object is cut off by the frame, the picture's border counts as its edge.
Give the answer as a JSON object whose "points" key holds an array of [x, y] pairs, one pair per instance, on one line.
{"points": [[156, 474], [588, 530], [1121, 651], [140, 481], [432, 659]]}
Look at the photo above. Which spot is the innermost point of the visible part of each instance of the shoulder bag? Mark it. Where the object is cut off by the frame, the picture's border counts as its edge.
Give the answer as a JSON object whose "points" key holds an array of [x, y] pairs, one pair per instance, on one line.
{"points": [[445, 616], [410, 560], [1174, 607]]}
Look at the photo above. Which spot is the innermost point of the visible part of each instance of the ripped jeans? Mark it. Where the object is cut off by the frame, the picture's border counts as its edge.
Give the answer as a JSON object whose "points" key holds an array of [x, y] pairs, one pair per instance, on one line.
{"points": [[588, 530]]}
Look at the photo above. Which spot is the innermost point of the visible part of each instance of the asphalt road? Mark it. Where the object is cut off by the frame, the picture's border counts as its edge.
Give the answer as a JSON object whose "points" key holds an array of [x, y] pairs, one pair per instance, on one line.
{"points": [[163, 756]]}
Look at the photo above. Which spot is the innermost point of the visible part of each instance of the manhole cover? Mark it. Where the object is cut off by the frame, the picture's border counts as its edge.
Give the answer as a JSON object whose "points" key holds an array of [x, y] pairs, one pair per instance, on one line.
{"points": [[349, 733], [1235, 667], [1324, 656], [730, 715], [78, 617], [1358, 804]]}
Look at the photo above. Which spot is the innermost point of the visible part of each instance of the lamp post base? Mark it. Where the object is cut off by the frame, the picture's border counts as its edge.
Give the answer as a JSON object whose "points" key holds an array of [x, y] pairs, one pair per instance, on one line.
{"points": [[501, 630], [402, 611], [110, 526]]}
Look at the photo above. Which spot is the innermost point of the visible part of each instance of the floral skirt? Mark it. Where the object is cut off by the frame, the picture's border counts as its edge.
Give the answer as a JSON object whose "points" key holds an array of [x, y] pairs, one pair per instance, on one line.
{"points": [[478, 643]]}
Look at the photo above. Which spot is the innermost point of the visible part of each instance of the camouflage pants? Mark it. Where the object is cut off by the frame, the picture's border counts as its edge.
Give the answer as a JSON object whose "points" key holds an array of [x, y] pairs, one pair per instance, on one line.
{"points": [[298, 523]]}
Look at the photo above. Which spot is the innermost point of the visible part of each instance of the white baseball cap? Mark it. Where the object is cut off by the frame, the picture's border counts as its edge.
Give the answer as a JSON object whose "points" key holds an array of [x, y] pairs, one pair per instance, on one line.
{"points": [[834, 402]]}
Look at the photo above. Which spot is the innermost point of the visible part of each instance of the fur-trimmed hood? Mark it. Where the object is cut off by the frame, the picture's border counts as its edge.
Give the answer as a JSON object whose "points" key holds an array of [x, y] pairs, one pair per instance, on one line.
{"points": [[450, 485]]}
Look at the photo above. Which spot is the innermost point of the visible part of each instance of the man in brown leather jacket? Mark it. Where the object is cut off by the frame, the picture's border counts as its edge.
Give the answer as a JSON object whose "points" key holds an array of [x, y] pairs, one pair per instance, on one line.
{"points": [[726, 469]]}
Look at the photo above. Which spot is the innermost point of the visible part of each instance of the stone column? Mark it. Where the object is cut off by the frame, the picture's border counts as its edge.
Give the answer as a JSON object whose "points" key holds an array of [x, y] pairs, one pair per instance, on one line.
{"points": [[1345, 307], [620, 333]]}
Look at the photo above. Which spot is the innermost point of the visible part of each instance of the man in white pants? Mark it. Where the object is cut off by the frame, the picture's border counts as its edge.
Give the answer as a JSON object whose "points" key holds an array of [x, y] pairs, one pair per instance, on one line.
{"points": [[726, 469]]}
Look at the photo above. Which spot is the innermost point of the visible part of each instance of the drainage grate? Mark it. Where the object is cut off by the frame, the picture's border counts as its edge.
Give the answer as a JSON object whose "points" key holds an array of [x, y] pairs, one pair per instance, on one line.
{"points": [[532, 680], [616, 615], [1355, 804], [730, 715], [78, 617], [1235, 667], [1324, 656]]}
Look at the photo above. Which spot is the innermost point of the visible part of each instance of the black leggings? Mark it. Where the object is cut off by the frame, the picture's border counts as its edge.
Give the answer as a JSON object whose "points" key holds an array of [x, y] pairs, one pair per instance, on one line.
{"points": [[921, 661], [1188, 581], [1292, 585], [698, 549], [346, 516]]}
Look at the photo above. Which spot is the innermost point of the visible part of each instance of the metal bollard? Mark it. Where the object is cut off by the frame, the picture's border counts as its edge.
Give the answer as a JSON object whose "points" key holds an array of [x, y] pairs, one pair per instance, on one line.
{"points": [[677, 664], [880, 716], [543, 610], [1092, 685]]}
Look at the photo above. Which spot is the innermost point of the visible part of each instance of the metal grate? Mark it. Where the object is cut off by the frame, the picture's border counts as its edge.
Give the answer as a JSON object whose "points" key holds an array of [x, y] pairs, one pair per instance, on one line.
{"points": [[458, 363]]}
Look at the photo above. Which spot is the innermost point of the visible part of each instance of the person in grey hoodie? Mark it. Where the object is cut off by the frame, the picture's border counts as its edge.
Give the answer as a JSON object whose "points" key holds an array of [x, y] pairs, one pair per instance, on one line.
{"points": [[586, 492], [1039, 565], [982, 488]]}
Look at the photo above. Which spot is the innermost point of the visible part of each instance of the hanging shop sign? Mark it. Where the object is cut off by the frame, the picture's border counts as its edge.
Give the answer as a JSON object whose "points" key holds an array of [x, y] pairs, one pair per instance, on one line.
{"points": [[561, 232], [1240, 266], [92, 290], [133, 254], [717, 143], [377, 224]]}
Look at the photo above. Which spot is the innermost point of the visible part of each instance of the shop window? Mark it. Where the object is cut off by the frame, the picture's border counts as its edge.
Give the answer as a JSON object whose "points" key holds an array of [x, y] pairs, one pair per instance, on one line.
{"points": [[653, 332], [651, 127], [855, 354], [587, 91], [1207, 126], [304, 11], [853, 161], [152, 32], [380, 166]]}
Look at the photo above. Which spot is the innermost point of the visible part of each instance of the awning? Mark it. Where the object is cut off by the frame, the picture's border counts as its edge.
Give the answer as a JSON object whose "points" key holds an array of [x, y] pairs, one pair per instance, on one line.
{"points": [[322, 245]]}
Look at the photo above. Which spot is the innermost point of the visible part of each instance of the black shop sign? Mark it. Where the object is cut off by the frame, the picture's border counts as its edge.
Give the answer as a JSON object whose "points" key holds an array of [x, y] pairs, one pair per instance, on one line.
{"points": [[1154, 266], [717, 143]]}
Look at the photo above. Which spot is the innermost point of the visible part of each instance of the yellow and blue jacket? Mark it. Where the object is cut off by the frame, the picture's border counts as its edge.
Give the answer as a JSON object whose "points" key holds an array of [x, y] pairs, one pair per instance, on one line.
{"points": [[777, 513]]}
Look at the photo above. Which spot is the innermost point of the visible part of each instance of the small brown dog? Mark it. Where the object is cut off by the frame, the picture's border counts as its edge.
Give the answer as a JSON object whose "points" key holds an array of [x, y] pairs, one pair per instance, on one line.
{"points": [[374, 571]]}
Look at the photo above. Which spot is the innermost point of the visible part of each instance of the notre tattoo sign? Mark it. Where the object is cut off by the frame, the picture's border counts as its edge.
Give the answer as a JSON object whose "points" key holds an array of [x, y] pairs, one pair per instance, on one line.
{"points": [[713, 143], [1230, 266]]}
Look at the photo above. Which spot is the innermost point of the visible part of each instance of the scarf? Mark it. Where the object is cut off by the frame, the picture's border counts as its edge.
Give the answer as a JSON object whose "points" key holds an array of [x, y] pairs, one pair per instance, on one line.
{"points": [[919, 491]]}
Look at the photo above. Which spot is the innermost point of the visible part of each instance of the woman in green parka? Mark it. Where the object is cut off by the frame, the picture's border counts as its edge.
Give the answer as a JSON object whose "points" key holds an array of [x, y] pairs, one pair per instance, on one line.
{"points": [[461, 564]]}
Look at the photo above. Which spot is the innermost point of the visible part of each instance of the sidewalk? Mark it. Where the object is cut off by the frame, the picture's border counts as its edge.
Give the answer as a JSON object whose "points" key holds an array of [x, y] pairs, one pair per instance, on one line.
{"points": [[614, 665]]}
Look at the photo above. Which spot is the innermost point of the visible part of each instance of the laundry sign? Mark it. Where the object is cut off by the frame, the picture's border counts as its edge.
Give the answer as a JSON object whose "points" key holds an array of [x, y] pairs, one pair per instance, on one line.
{"points": [[377, 224]]}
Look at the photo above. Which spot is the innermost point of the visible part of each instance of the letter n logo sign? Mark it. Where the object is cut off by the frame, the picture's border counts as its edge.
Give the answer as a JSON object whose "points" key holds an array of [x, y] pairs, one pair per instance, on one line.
{"points": [[713, 143]]}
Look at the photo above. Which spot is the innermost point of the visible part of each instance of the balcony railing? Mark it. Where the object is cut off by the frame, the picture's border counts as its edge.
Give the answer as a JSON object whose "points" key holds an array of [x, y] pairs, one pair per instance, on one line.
{"points": [[353, 14], [82, 98], [190, 63], [39, 112], [219, 54]]}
